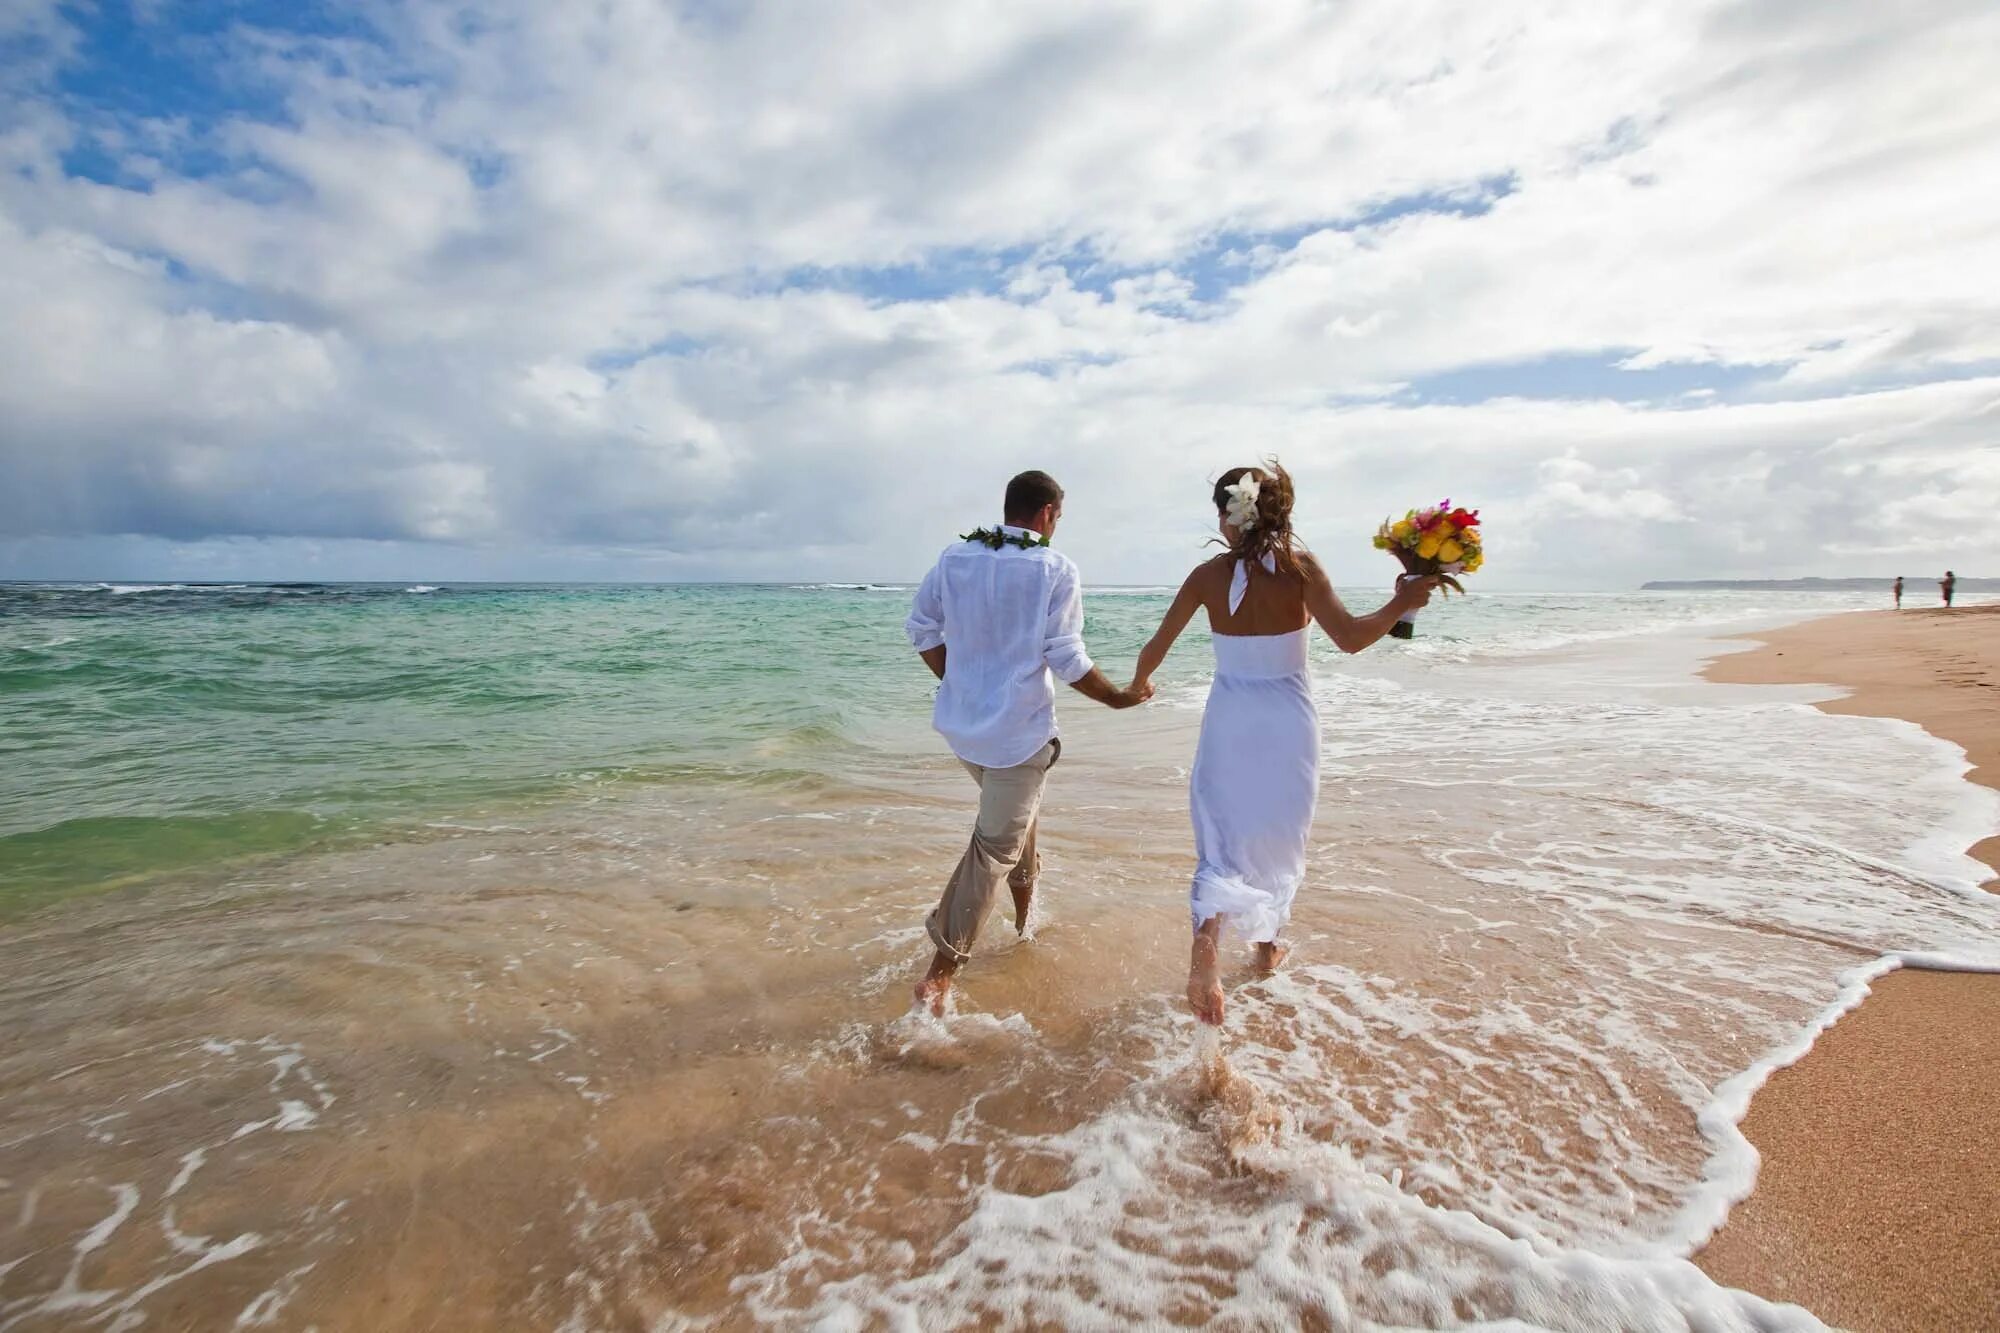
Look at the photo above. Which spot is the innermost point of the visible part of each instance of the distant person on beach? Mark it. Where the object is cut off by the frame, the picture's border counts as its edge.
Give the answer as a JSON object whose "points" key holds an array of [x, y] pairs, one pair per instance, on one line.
{"points": [[998, 615], [1899, 592], [1948, 585], [1256, 767]]}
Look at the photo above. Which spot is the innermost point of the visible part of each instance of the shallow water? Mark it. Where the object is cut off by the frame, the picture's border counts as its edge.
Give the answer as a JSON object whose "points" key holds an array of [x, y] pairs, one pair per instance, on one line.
{"points": [[632, 1051]]}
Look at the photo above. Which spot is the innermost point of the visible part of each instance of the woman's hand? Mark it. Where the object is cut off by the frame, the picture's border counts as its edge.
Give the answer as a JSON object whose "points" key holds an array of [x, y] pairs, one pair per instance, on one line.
{"points": [[1141, 688], [1414, 594]]}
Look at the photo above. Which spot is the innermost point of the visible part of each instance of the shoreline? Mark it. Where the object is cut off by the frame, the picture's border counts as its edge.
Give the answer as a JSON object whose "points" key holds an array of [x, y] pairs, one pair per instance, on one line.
{"points": [[1877, 1202], [1941, 671]]}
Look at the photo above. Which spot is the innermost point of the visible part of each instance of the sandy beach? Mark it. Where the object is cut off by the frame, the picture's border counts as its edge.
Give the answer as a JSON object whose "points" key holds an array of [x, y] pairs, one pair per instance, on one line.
{"points": [[1878, 1202]]}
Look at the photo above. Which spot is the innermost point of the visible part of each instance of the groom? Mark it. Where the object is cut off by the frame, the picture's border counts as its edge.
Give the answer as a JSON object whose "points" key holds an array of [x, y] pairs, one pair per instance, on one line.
{"points": [[999, 613]]}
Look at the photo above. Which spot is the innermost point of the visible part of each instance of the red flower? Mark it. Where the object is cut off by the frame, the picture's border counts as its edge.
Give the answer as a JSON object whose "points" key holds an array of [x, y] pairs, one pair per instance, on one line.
{"points": [[1463, 519]]}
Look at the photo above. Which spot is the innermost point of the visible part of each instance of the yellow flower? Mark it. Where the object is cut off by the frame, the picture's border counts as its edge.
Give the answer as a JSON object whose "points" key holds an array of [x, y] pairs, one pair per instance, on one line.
{"points": [[1444, 529], [1472, 565], [1428, 547], [1451, 551], [1404, 530]]}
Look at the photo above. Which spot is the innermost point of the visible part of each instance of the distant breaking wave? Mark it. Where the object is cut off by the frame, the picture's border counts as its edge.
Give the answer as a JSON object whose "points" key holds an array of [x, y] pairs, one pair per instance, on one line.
{"points": [[125, 589]]}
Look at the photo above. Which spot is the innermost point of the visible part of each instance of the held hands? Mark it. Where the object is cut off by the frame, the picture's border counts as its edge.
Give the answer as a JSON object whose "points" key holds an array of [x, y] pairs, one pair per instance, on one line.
{"points": [[1094, 685], [1138, 692]]}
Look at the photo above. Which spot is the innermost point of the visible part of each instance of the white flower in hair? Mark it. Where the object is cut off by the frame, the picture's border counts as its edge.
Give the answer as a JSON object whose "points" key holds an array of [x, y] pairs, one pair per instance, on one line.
{"points": [[1241, 508]]}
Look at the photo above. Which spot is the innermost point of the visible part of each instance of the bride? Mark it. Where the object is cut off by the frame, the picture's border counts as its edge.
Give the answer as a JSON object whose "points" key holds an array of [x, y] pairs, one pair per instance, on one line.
{"points": [[1256, 769]]}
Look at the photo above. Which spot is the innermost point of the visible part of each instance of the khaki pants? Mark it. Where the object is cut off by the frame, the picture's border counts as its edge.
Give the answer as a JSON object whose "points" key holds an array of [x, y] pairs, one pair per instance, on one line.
{"points": [[1002, 848]]}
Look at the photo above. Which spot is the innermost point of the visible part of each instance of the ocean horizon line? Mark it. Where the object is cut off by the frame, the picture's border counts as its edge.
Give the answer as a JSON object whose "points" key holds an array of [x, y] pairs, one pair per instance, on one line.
{"points": [[166, 584]]}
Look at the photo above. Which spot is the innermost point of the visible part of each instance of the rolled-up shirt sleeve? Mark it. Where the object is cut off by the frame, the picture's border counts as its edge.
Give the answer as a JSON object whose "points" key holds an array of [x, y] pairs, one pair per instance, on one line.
{"points": [[926, 623], [1062, 636]]}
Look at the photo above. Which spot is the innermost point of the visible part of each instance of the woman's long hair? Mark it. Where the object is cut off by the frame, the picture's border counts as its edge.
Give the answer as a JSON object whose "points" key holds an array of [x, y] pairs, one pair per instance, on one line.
{"points": [[1272, 533]]}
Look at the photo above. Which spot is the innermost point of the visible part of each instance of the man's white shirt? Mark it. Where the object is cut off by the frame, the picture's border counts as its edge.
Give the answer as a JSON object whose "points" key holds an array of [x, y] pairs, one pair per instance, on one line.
{"points": [[1008, 620]]}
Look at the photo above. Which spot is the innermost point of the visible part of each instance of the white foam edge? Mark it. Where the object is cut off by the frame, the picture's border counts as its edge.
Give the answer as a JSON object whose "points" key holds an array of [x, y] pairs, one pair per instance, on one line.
{"points": [[1969, 812], [1941, 857], [1730, 1173]]}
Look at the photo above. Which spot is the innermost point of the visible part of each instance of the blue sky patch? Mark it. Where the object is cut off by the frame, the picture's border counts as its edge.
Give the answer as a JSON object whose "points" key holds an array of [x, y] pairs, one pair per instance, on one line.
{"points": [[941, 274], [608, 363], [160, 79], [1050, 368], [1586, 376], [1214, 267]]}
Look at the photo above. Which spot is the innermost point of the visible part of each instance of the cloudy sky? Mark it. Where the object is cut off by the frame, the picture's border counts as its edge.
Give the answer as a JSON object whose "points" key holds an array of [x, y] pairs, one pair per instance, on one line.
{"points": [[691, 289]]}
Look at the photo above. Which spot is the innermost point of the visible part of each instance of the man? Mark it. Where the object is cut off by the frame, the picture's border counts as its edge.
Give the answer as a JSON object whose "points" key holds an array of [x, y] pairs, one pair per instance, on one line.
{"points": [[999, 613], [1899, 592], [1948, 585]]}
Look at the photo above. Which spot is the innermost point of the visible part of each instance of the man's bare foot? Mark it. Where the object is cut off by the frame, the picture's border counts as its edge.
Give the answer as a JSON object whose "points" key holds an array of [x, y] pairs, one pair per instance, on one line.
{"points": [[1024, 902], [1204, 989], [934, 991], [931, 995], [1271, 955]]}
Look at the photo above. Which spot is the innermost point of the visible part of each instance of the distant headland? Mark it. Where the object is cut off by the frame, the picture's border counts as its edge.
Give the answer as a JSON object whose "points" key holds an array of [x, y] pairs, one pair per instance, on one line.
{"points": [[1912, 581]]}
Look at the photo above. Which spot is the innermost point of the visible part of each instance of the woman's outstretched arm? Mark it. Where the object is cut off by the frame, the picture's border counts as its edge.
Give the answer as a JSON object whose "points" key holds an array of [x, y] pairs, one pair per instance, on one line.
{"points": [[1351, 633], [1186, 602]]}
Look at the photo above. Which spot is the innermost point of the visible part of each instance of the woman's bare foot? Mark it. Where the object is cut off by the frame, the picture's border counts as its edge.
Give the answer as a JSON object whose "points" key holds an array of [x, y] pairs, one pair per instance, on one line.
{"points": [[1271, 955], [1204, 989], [1024, 902]]}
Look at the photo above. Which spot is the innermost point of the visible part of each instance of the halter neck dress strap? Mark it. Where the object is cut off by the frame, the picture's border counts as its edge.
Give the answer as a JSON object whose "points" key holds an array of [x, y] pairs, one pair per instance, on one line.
{"points": [[1239, 580]]}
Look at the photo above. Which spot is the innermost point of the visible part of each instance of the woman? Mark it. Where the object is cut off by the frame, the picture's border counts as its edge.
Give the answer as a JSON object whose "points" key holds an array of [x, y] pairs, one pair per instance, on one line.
{"points": [[1256, 769]]}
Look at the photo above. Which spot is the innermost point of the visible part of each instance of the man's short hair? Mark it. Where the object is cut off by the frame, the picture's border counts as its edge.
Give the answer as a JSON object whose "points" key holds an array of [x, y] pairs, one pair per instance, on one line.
{"points": [[1028, 493]]}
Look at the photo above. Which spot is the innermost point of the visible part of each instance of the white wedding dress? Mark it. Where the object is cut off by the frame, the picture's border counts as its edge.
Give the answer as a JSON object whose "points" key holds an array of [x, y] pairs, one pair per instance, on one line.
{"points": [[1256, 780]]}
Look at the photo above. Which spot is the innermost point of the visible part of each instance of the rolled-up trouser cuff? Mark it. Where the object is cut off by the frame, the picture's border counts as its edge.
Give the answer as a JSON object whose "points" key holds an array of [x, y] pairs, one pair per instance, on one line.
{"points": [[955, 922], [944, 946]]}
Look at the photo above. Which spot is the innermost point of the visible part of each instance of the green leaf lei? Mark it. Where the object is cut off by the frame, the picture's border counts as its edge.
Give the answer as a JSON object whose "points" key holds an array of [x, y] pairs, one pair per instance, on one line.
{"points": [[999, 537]]}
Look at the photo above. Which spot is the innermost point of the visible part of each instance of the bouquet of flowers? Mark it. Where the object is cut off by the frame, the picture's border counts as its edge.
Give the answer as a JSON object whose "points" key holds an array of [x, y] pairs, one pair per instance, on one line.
{"points": [[1440, 540]]}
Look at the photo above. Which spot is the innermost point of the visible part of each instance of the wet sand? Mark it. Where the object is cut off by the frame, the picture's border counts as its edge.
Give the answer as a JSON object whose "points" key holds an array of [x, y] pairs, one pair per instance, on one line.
{"points": [[1878, 1203]]}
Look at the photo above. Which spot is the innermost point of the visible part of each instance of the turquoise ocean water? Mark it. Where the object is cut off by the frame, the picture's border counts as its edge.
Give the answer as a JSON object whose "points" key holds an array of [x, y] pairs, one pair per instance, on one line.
{"points": [[152, 730]]}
